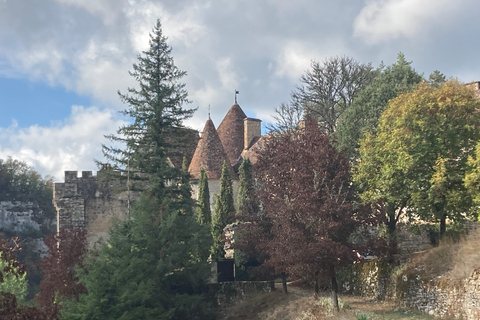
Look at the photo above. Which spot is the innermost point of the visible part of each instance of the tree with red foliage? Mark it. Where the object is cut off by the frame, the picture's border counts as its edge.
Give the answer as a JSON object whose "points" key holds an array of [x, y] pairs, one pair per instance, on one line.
{"points": [[66, 251], [307, 195]]}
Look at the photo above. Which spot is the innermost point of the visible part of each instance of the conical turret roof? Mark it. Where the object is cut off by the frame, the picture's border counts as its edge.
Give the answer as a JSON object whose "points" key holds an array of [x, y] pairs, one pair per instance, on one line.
{"points": [[209, 154], [231, 131]]}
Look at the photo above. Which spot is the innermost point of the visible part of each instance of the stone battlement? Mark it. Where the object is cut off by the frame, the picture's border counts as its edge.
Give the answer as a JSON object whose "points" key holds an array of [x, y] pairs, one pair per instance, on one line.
{"points": [[91, 202]]}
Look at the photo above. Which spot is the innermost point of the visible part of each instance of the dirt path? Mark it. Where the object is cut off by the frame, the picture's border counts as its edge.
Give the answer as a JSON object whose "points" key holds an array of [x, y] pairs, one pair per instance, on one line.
{"points": [[300, 304]]}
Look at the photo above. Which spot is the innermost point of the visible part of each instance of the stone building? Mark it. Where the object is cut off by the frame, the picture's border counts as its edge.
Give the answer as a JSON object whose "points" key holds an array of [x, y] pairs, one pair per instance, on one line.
{"points": [[92, 202], [235, 135]]}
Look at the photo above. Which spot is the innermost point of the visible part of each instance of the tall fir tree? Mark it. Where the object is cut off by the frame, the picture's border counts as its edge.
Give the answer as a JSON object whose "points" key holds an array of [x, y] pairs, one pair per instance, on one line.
{"points": [[153, 264], [157, 114], [224, 209], [204, 214]]}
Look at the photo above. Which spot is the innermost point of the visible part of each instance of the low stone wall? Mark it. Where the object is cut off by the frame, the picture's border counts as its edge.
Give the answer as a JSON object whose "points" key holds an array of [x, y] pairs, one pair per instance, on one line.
{"points": [[443, 297], [230, 292], [440, 297]]}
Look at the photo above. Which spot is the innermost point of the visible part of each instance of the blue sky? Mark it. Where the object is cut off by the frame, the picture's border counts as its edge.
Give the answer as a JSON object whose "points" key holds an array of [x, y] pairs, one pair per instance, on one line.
{"points": [[35, 103], [62, 61]]}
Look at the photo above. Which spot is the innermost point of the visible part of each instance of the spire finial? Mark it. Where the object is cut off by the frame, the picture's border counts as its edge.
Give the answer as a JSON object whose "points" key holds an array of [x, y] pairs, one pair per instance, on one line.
{"points": [[209, 112], [236, 92]]}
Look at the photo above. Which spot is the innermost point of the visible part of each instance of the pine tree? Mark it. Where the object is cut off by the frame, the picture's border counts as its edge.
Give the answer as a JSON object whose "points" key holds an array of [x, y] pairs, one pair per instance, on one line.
{"points": [[153, 264], [156, 112], [204, 214], [224, 208]]}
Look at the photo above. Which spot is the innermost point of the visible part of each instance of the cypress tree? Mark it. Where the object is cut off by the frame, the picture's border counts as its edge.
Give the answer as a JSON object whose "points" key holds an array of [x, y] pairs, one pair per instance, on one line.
{"points": [[204, 214], [224, 209], [247, 199]]}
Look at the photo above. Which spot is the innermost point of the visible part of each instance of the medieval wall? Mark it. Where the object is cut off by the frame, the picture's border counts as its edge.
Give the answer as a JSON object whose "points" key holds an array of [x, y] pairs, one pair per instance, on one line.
{"points": [[92, 202]]}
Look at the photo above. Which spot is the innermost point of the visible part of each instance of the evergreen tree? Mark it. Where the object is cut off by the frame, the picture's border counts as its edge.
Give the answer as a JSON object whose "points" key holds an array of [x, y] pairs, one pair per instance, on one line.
{"points": [[153, 264], [204, 214], [156, 112], [247, 200], [248, 209], [224, 209]]}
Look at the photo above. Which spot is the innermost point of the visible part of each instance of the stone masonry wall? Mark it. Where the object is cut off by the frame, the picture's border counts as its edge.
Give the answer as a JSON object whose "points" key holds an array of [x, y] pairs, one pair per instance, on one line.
{"points": [[92, 202], [440, 297]]}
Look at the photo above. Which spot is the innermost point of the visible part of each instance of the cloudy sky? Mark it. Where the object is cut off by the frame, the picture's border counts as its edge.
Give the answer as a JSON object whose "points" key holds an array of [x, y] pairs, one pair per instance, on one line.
{"points": [[62, 61]]}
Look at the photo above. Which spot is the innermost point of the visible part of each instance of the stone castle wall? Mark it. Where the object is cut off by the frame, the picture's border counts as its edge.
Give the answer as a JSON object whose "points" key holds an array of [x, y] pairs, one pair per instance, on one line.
{"points": [[92, 202]]}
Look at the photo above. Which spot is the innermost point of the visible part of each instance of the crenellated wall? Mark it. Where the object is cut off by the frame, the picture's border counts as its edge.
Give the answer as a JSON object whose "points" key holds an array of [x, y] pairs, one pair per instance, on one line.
{"points": [[92, 202]]}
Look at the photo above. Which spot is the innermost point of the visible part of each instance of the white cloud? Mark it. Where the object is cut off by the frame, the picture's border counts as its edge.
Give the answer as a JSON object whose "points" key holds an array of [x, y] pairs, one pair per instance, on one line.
{"points": [[388, 20], [70, 145], [226, 73], [293, 60]]}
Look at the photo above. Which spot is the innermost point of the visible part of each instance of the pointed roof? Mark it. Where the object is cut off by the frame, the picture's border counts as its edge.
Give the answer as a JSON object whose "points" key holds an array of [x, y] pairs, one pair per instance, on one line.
{"points": [[231, 131], [209, 154]]}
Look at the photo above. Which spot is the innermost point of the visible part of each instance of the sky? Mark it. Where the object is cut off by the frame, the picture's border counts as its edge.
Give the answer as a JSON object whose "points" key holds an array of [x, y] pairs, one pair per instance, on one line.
{"points": [[62, 62]]}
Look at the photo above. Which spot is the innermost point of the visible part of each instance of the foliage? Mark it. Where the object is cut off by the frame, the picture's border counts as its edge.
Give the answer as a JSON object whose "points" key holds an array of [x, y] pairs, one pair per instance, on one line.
{"points": [[13, 285], [151, 268], [368, 105], [248, 206], [436, 79], [224, 209], [66, 251], [156, 114], [329, 88], [14, 281], [154, 264], [20, 182], [306, 192], [418, 157], [247, 199], [204, 214]]}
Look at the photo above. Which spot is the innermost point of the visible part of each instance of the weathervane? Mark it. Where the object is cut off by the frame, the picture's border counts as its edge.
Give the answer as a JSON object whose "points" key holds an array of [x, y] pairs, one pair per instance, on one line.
{"points": [[236, 92]]}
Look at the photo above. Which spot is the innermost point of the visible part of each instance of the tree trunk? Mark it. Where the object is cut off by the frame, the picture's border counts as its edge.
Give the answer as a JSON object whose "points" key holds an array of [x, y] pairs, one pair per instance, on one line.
{"points": [[392, 225], [317, 287], [443, 225], [284, 282], [335, 292]]}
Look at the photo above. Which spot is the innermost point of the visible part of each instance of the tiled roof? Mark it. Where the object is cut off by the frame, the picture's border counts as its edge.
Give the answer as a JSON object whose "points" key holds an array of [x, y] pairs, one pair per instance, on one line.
{"points": [[209, 154], [231, 131]]}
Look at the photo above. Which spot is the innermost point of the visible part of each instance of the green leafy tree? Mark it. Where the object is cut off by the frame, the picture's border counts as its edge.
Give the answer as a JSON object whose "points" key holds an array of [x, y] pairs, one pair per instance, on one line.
{"points": [[368, 105], [14, 281], [20, 182], [418, 156], [224, 209], [153, 264], [204, 213], [472, 176]]}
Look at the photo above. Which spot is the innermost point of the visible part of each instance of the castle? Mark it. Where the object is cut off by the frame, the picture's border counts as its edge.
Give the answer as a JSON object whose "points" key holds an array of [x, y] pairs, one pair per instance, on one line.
{"points": [[92, 202]]}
